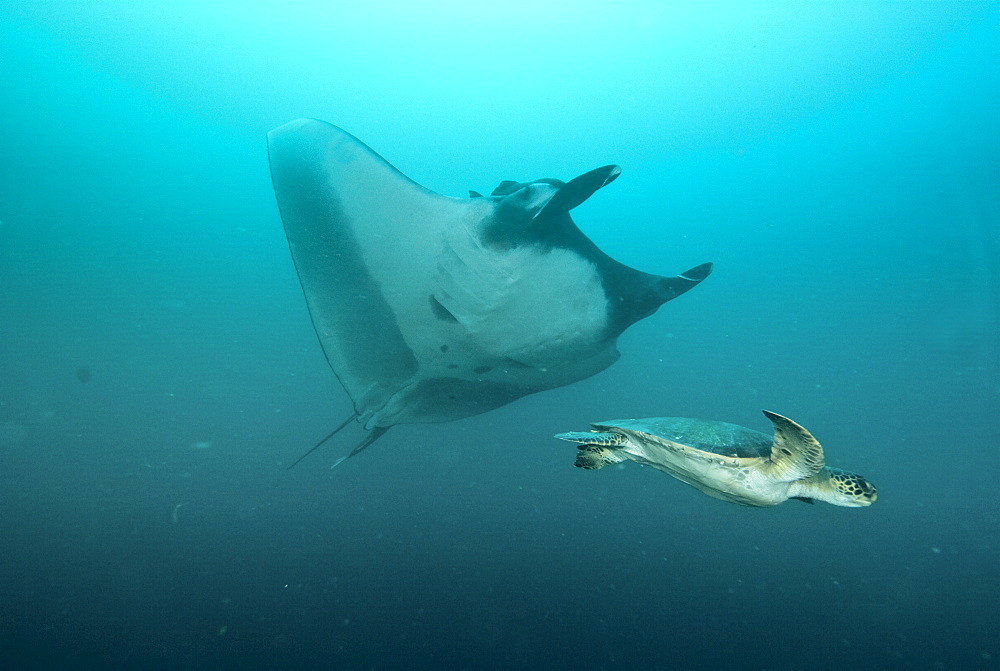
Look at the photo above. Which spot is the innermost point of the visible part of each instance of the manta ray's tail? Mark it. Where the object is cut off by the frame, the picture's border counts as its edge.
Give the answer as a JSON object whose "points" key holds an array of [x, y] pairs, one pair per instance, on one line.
{"points": [[372, 436]]}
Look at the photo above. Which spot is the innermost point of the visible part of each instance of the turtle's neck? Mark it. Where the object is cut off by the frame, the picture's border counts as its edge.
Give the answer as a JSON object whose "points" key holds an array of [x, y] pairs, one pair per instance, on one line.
{"points": [[817, 488], [841, 488]]}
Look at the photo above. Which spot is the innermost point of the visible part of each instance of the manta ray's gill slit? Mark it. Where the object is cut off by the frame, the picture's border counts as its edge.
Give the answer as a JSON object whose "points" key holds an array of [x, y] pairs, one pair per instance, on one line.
{"points": [[441, 312]]}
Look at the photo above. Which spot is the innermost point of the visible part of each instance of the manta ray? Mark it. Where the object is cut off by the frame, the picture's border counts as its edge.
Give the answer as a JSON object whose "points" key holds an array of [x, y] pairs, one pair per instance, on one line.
{"points": [[432, 308]]}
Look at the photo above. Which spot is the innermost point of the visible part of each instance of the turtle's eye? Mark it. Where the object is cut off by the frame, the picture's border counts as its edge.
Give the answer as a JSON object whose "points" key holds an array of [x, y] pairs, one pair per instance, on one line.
{"points": [[867, 489], [858, 487]]}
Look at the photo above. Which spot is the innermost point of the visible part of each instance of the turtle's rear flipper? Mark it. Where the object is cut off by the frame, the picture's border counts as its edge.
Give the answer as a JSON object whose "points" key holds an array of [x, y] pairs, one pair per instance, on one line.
{"points": [[593, 457], [594, 448], [593, 437]]}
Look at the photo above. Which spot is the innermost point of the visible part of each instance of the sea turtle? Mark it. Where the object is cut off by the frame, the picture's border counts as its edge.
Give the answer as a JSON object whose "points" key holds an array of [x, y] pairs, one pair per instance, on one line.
{"points": [[726, 461]]}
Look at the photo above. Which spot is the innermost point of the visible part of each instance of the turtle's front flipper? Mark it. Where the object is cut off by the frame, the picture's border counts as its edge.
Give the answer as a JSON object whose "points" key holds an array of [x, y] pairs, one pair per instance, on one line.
{"points": [[795, 454]]}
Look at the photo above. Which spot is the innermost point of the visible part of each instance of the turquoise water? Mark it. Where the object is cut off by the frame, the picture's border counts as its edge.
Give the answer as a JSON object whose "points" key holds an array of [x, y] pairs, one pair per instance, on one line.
{"points": [[838, 162]]}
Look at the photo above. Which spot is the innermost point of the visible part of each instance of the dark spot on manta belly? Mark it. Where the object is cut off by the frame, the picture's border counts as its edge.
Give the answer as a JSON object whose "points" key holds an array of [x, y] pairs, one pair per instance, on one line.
{"points": [[479, 370], [444, 348]]}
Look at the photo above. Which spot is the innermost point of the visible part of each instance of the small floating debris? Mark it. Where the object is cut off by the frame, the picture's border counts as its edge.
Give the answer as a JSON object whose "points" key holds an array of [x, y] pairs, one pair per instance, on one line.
{"points": [[201, 445]]}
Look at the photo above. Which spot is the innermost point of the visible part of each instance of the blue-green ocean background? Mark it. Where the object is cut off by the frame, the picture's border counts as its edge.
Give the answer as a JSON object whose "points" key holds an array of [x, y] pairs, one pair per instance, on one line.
{"points": [[840, 164]]}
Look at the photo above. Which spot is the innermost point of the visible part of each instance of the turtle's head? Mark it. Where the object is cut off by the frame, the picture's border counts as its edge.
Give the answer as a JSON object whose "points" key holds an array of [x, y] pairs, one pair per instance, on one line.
{"points": [[850, 489]]}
